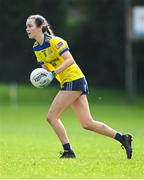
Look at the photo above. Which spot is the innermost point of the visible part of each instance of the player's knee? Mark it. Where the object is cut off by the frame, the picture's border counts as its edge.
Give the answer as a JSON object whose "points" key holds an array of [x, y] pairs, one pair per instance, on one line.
{"points": [[50, 117], [87, 125]]}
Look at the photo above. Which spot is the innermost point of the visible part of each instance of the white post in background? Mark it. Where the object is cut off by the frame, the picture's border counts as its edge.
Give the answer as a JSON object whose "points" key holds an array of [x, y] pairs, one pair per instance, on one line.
{"points": [[130, 69], [13, 93]]}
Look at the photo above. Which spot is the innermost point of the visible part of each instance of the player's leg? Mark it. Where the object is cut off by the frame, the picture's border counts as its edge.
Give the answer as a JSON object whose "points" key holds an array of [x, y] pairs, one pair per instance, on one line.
{"points": [[62, 100], [81, 109]]}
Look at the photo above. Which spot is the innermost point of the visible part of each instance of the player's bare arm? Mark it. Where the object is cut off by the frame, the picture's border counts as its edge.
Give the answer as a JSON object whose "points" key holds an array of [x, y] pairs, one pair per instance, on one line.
{"points": [[68, 60]]}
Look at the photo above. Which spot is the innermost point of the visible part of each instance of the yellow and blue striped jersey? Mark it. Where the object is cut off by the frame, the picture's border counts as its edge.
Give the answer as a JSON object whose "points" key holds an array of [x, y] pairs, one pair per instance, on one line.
{"points": [[50, 54]]}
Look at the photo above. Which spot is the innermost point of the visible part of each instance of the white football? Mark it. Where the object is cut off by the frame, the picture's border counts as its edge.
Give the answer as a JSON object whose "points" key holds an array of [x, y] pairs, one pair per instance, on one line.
{"points": [[39, 78]]}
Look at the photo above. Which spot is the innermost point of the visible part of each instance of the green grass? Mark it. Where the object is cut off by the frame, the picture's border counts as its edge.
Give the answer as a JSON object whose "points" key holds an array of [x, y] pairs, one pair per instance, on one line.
{"points": [[29, 148]]}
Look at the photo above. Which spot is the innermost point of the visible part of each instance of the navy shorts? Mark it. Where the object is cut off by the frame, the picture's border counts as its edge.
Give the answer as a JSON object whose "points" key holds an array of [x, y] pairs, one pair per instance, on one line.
{"points": [[76, 85]]}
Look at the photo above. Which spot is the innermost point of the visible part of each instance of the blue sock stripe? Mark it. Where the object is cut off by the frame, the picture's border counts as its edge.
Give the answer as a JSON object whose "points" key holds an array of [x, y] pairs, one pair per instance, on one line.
{"points": [[118, 137], [66, 146]]}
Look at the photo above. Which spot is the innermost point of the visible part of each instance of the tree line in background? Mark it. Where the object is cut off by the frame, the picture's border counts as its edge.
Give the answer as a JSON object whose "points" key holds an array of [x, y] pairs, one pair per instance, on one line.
{"points": [[94, 29]]}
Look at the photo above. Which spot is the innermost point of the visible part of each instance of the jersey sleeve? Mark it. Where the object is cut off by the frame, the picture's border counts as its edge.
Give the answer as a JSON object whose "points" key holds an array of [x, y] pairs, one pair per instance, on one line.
{"points": [[59, 45]]}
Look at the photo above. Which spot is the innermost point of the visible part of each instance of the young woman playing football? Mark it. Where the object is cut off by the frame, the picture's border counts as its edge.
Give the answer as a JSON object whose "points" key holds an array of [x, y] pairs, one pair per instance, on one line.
{"points": [[53, 54]]}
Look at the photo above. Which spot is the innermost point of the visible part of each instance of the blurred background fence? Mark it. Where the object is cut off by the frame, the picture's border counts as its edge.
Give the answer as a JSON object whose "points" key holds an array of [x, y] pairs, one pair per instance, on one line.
{"points": [[96, 31]]}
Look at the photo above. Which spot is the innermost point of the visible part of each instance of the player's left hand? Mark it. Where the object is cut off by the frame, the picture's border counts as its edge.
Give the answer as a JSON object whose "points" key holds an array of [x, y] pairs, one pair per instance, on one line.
{"points": [[51, 75]]}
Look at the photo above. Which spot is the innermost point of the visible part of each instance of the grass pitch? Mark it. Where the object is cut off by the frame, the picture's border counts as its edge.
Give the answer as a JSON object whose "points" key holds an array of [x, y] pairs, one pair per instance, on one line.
{"points": [[30, 149]]}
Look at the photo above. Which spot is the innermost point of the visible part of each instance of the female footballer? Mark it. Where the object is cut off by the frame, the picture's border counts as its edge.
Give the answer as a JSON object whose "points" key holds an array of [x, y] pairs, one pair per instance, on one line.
{"points": [[53, 54]]}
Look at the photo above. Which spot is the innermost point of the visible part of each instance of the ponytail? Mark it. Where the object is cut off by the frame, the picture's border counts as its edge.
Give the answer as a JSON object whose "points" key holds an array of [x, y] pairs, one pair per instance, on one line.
{"points": [[46, 28]]}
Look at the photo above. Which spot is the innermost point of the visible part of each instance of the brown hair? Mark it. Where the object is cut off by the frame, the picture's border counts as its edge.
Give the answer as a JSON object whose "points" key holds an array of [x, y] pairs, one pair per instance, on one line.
{"points": [[41, 21]]}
